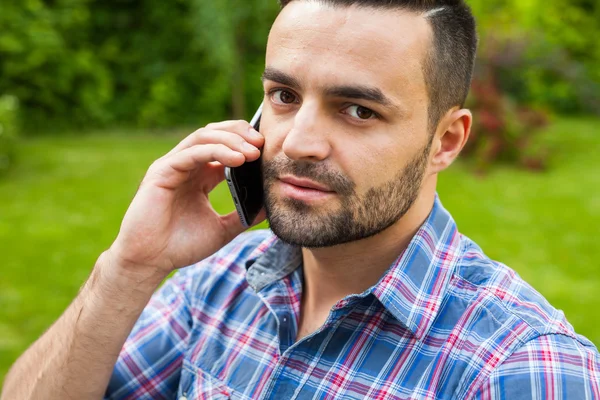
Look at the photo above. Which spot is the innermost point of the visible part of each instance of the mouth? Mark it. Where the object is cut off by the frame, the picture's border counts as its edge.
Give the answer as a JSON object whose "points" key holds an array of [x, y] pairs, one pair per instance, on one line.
{"points": [[304, 189], [304, 183]]}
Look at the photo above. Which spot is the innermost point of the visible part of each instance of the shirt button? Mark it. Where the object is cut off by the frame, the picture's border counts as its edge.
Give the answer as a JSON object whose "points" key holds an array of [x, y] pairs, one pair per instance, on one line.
{"points": [[284, 319]]}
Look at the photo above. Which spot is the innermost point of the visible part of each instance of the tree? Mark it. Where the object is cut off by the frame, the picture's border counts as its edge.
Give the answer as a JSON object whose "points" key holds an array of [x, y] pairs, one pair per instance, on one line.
{"points": [[234, 33]]}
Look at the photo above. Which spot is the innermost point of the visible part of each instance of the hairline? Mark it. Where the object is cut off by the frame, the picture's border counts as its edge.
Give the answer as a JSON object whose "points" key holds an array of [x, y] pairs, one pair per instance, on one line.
{"points": [[428, 62]]}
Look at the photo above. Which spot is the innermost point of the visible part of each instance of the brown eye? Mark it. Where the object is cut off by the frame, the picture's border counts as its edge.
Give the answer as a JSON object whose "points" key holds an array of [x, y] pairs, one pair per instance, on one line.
{"points": [[360, 112], [287, 97], [363, 113], [283, 97]]}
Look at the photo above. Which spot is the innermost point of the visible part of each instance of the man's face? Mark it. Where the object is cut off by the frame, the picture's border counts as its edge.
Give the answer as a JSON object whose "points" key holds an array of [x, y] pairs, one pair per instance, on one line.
{"points": [[345, 121]]}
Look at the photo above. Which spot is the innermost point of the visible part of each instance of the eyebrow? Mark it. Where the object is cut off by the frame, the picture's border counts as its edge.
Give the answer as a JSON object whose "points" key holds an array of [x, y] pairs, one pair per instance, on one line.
{"points": [[359, 92], [278, 76]]}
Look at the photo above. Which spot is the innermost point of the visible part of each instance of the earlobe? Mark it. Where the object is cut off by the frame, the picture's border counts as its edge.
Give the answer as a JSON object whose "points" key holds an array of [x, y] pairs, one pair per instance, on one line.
{"points": [[453, 133]]}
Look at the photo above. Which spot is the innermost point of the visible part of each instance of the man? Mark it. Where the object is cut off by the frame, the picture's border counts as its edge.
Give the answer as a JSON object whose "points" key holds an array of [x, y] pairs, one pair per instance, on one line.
{"points": [[364, 289]]}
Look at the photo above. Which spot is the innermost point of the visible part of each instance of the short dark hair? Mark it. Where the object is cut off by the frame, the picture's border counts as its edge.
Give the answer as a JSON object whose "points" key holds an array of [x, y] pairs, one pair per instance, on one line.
{"points": [[448, 66]]}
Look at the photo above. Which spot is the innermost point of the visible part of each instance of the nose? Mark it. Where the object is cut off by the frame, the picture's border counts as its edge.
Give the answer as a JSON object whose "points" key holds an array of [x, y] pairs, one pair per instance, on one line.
{"points": [[308, 139]]}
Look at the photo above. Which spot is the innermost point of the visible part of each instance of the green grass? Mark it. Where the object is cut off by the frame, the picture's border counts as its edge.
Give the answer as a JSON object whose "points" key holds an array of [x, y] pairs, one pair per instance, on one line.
{"points": [[63, 203]]}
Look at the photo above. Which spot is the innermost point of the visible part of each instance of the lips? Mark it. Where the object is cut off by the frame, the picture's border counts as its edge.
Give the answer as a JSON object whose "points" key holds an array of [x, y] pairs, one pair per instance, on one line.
{"points": [[304, 183]]}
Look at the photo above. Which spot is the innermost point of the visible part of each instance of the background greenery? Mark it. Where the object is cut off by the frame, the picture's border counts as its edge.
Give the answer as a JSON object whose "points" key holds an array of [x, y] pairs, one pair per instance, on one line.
{"points": [[90, 63], [98, 90]]}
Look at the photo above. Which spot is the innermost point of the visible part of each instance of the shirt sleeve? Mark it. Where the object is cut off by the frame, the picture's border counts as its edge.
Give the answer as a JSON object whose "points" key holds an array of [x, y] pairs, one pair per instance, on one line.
{"points": [[548, 367], [149, 365]]}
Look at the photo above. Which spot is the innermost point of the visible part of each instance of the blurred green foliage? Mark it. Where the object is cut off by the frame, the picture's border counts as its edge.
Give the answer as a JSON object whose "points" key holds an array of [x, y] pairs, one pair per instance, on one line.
{"points": [[535, 59], [149, 63], [85, 63], [48, 62], [546, 51], [9, 130]]}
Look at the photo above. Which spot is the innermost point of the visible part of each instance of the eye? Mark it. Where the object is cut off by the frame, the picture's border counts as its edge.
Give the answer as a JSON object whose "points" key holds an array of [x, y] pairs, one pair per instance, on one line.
{"points": [[360, 112], [282, 96]]}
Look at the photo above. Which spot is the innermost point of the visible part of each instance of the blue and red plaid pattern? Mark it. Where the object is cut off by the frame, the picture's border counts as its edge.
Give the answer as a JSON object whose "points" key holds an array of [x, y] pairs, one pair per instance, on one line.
{"points": [[444, 322]]}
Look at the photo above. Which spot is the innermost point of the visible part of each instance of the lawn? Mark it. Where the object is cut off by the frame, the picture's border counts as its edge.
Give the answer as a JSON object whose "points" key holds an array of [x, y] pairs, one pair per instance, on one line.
{"points": [[62, 206]]}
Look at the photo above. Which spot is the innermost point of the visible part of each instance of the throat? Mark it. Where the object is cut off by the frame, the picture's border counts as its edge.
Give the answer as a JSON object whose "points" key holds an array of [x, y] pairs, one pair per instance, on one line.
{"points": [[332, 274]]}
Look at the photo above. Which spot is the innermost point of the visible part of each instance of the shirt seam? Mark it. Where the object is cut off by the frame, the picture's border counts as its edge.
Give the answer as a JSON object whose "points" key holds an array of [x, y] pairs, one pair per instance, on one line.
{"points": [[523, 343]]}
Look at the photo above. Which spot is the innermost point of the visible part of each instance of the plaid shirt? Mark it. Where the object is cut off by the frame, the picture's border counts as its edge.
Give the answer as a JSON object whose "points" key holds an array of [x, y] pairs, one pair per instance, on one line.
{"points": [[444, 322]]}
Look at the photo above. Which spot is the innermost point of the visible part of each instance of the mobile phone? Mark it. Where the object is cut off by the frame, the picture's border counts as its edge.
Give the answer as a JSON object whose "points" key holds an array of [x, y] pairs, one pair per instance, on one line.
{"points": [[246, 185]]}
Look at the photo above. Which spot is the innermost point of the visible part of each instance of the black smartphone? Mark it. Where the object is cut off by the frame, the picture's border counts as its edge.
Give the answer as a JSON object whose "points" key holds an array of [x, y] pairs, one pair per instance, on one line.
{"points": [[245, 183]]}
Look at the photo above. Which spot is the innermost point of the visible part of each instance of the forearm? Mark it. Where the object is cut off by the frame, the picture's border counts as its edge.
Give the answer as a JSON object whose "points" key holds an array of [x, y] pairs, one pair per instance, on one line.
{"points": [[75, 357]]}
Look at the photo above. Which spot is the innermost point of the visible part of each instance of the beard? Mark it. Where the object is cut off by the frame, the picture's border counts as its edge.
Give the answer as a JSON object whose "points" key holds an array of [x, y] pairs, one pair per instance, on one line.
{"points": [[295, 222]]}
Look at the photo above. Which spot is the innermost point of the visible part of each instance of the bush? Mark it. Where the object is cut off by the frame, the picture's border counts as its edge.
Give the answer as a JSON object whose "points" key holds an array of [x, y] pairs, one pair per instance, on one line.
{"points": [[9, 129], [545, 53], [77, 64], [81, 64], [504, 125], [49, 64]]}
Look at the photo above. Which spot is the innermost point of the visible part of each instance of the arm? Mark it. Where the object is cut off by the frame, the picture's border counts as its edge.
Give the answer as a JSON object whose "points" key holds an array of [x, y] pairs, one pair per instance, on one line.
{"points": [[169, 224], [74, 359], [152, 357], [548, 367]]}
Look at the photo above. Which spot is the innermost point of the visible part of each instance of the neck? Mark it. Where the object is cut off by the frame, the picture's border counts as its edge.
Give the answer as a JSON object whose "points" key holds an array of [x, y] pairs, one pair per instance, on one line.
{"points": [[333, 273]]}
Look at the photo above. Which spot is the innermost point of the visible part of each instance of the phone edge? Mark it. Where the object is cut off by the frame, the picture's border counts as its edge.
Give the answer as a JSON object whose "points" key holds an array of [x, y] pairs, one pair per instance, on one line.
{"points": [[236, 200], [229, 178]]}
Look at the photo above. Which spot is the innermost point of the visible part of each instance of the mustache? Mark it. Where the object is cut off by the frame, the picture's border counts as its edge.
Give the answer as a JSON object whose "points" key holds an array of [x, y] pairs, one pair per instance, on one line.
{"points": [[314, 171]]}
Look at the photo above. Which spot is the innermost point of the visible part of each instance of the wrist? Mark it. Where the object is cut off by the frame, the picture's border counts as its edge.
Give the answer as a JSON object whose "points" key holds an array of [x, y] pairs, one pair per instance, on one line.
{"points": [[114, 275]]}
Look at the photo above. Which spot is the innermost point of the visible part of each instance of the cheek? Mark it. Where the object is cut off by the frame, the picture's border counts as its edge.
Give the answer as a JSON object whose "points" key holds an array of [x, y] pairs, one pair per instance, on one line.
{"points": [[274, 138], [365, 166], [373, 166]]}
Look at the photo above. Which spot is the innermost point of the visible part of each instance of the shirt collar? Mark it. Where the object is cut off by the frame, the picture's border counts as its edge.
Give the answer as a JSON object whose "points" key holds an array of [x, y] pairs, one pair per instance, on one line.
{"points": [[271, 261], [412, 289], [415, 285]]}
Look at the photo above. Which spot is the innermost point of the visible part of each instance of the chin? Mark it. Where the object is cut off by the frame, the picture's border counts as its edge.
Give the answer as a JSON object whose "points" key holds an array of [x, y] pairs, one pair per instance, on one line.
{"points": [[307, 226]]}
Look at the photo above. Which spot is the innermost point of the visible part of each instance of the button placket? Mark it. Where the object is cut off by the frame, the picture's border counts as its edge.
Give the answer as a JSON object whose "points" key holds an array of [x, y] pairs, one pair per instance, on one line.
{"points": [[285, 332]]}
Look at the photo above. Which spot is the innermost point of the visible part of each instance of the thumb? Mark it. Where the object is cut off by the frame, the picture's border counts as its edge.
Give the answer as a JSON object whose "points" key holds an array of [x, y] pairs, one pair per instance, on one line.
{"points": [[262, 215], [232, 224]]}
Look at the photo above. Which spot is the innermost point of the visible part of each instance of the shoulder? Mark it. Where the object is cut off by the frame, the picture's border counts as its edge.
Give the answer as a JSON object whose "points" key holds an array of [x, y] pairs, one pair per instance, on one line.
{"points": [[533, 343], [552, 366], [490, 284]]}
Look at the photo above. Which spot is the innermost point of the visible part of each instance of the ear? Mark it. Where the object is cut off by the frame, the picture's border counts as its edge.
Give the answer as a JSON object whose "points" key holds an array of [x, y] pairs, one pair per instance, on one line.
{"points": [[450, 138]]}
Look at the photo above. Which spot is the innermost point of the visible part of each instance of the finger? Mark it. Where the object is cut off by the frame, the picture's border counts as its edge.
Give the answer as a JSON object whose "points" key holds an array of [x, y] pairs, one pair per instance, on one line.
{"points": [[216, 175], [232, 140], [176, 169], [190, 158], [240, 128]]}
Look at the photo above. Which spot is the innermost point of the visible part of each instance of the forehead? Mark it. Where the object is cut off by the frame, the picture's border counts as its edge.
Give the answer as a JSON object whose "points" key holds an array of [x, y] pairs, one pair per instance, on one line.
{"points": [[326, 45]]}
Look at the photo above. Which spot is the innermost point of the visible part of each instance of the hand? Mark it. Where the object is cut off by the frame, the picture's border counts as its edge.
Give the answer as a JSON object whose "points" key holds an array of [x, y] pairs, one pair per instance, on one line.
{"points": [[170, 222]]}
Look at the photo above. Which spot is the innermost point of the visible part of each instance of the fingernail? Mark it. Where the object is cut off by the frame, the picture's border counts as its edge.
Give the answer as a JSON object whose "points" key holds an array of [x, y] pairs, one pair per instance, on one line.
{"points": [[254, 133]]}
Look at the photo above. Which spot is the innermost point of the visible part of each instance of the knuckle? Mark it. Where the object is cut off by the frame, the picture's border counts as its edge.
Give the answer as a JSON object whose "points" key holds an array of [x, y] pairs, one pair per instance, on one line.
{"points": [[155, 164], [200, 133], [222, 148], [239, 126], [218, 148], [197, 132], [240, 143]]}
